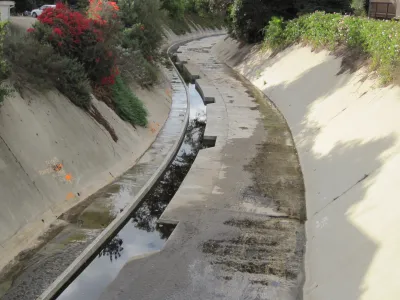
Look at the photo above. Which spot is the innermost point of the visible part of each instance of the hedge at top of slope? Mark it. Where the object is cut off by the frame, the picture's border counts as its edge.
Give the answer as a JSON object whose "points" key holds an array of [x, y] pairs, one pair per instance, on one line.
{"points": [[378, 40]]}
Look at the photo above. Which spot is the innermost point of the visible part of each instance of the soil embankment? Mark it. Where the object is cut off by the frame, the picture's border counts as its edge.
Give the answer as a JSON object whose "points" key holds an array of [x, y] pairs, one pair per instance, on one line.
{"points": [[347, 133]]}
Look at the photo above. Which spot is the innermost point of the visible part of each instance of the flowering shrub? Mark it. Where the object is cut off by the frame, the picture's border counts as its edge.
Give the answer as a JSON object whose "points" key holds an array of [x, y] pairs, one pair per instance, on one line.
{"points": [[380, 40], [77, 36]]}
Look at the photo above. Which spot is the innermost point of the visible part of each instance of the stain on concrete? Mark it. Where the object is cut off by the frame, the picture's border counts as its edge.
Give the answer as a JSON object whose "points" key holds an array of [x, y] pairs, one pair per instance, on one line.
{"points": [[14, 269], [276, 168]]}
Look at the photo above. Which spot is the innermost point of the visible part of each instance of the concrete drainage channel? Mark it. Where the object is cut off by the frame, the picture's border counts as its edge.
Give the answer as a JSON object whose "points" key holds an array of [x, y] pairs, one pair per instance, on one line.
{"points": [[142, 234]]}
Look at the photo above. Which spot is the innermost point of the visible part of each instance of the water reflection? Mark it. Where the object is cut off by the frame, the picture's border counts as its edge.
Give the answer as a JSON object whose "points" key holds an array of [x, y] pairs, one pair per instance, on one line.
{"points": [[113, 248], [142, 234]]}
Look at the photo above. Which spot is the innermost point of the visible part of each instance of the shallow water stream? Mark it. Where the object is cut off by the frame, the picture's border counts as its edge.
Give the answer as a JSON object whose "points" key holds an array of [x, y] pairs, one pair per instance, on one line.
{"points": [[142, 234]]}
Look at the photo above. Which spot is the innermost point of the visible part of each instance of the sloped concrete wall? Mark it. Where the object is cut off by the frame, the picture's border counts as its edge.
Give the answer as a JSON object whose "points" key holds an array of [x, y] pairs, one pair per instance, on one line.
{"points": [[53, 155], [347, 132]]}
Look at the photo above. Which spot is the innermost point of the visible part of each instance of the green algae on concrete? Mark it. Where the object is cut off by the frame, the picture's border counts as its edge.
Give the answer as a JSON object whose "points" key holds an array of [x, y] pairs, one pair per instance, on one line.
{"points": [[96, 217], [276, 168]]}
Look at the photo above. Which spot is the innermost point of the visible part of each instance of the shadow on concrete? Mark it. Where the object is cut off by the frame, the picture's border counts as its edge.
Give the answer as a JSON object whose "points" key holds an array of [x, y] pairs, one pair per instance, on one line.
{"points": [[338, 182]]}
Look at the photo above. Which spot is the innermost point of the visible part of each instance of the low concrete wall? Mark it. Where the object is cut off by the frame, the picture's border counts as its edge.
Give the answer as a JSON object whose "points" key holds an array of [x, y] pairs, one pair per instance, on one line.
{"points": [[347, 132]]}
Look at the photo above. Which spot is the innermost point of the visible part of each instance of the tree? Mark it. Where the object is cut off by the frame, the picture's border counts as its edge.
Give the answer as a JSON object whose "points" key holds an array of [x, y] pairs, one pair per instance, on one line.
{"points": [[176, 8], [248, 18], [360, 7], [329, 6]]}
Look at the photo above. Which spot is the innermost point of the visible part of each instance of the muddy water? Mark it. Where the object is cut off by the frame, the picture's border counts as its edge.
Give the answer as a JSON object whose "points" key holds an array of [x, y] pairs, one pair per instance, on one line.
{"points": [[142, 234]]}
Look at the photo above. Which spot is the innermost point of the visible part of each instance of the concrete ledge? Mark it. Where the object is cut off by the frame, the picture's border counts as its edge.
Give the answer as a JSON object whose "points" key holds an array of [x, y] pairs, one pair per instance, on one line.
{"points": [[207, 159], [202, 91], [191, 71]]}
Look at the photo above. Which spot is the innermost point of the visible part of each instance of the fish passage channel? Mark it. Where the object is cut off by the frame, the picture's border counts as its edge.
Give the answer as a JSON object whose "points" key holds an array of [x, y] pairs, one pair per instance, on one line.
{"points": [[142, 234]]}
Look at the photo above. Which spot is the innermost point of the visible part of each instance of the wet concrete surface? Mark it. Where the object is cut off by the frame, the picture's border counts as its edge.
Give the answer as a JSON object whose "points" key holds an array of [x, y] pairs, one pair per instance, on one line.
{"points": [[36, 269], [142, 234], [240, 209]]}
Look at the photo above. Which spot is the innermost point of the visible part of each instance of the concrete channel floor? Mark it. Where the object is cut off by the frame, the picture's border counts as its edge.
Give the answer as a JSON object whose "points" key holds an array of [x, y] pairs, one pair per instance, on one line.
{"points": [[240, 211]]}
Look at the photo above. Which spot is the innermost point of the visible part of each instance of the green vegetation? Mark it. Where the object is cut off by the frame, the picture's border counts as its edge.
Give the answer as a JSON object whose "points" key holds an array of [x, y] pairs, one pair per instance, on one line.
{"points": [[175, 8], [191, 20], [36, 65], [378, 40], [5, 90], [128, 106], [94, 48], [360, 7], [184, 14], [247, 18], [329, 6]]}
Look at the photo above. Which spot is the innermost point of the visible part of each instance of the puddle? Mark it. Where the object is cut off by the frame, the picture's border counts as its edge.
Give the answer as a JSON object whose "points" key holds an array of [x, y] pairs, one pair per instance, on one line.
{"points": [[142, 234]]}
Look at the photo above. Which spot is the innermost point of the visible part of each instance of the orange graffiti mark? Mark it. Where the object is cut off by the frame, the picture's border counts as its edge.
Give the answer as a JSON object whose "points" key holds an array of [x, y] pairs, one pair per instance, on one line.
{"points": [[153, 128], [70, 196], [57, 167], [68, 177]]}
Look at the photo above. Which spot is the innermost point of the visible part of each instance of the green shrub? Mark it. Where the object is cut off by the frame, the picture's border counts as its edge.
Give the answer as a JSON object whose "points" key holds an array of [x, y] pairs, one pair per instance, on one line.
{"points": [[5, 90], [176, 8], [140, 40], [274, 36], [379, 40], [200, 7], [134, 67], [3, 64], [360, 7], [37, 65], [144, 27], [127, 105]]}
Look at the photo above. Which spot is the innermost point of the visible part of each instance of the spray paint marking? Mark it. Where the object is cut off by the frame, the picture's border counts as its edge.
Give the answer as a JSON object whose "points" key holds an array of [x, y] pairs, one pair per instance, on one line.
{"points": [[154, 126], [57, 170], [71, 196], [68, 177], [168, 92]]}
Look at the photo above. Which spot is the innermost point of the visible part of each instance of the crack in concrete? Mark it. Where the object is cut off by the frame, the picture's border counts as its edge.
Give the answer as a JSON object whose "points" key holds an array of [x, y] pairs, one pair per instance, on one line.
{"points": [[19, 163], [342, 194]]}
